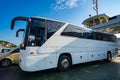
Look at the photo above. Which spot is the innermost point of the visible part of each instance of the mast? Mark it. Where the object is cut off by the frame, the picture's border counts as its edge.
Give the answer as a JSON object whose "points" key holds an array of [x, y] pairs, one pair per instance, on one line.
{"points": [[95, 2]]}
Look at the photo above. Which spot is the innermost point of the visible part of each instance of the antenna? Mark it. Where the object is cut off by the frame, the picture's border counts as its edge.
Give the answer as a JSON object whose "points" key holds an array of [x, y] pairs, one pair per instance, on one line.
{"points": [[95, 2]]}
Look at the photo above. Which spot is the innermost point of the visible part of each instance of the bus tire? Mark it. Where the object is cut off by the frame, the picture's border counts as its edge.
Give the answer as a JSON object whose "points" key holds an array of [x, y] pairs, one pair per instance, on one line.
{"points": [[109, 57], [5, 62], [64, 63]]}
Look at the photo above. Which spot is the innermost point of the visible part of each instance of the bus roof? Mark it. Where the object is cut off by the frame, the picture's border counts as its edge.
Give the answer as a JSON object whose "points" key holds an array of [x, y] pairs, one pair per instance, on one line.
{"points": [[37, 17]]}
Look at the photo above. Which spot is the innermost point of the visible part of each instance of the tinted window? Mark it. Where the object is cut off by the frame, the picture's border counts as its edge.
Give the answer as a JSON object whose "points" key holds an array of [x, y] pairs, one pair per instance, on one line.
{"points": [[40, 30], [88, 35], [75, 31], [36, 36], [37, 22], [104, 37], [72, 30], [112, 38], [52, 27], [5, 50]]}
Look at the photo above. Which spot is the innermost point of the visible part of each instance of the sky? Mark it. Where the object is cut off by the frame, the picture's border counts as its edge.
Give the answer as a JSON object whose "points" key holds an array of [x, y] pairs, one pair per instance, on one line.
{"points": [[71, 11]]}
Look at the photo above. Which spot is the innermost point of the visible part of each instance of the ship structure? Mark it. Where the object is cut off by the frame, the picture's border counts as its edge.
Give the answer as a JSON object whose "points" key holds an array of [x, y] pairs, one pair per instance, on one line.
{"points": [[103, 23]]}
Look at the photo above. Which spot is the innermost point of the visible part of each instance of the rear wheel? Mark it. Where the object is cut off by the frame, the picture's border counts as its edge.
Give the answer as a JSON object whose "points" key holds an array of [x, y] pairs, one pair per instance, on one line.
{"points": [[109, 57], [64, 63], [6, 62]]}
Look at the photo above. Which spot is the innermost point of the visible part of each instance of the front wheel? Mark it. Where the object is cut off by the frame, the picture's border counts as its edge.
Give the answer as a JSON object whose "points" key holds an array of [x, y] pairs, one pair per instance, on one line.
{"points": [[64, 63], [5, 62]]}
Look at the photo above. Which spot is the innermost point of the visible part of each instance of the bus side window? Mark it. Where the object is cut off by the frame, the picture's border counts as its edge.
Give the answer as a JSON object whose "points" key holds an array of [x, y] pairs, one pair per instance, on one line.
{"points": [[105, 39], [98, 37], [87, 35], [72, 30], [93, 36]]}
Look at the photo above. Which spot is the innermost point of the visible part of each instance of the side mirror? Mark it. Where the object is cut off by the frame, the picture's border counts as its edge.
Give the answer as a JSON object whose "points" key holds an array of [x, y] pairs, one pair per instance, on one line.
{"points": [[17, 33], [22, 45], [16, 19]]}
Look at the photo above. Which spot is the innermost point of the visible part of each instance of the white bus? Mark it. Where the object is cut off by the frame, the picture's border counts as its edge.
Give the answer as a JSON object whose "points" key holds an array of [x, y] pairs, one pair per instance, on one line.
{"points": [[53, 44]]}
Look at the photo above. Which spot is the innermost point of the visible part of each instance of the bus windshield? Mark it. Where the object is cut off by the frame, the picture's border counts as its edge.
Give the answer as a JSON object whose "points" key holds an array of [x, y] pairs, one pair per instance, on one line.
{"points": [[36, 36], [40, 30], [37, 31]]}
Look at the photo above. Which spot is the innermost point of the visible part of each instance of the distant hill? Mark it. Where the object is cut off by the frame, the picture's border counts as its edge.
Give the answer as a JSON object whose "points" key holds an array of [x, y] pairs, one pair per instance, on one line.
{"points": [[7, 44]]}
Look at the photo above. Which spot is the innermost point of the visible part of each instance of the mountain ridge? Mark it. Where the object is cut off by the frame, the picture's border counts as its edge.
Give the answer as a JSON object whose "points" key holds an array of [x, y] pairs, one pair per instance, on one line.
{"points": [[7, 44]]}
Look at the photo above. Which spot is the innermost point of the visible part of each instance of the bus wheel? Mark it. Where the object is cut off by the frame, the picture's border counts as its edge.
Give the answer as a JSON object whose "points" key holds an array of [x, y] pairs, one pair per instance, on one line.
{"points": [[64, 63], [109, 57], [5, 62]]}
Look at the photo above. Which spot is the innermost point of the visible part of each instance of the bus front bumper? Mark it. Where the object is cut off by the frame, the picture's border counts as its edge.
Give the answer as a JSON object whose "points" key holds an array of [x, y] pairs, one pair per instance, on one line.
{"points": [[31, 64]]}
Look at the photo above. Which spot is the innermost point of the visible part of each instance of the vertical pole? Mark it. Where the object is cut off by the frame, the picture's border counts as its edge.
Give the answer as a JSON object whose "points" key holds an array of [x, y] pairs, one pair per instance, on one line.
{"points": [[95, 2], [97, 7], [45, 30]]}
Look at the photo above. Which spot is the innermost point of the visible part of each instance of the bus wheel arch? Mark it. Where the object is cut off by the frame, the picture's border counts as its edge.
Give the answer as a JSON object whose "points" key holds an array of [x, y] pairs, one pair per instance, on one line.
{"points": [[64, 62]]}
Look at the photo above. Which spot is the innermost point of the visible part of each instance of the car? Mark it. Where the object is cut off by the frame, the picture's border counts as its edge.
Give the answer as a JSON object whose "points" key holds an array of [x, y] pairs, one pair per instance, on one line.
{"points": [[9, 56], [5, 52]]}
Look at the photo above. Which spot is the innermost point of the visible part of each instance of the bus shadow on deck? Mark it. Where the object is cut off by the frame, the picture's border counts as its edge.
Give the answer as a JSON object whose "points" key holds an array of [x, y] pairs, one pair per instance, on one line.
{"points": [[77, 72], [92, 64]]}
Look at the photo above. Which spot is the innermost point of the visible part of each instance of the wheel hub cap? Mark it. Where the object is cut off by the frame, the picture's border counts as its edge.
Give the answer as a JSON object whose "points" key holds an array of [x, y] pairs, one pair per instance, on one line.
{"points": [[65, 63]]}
